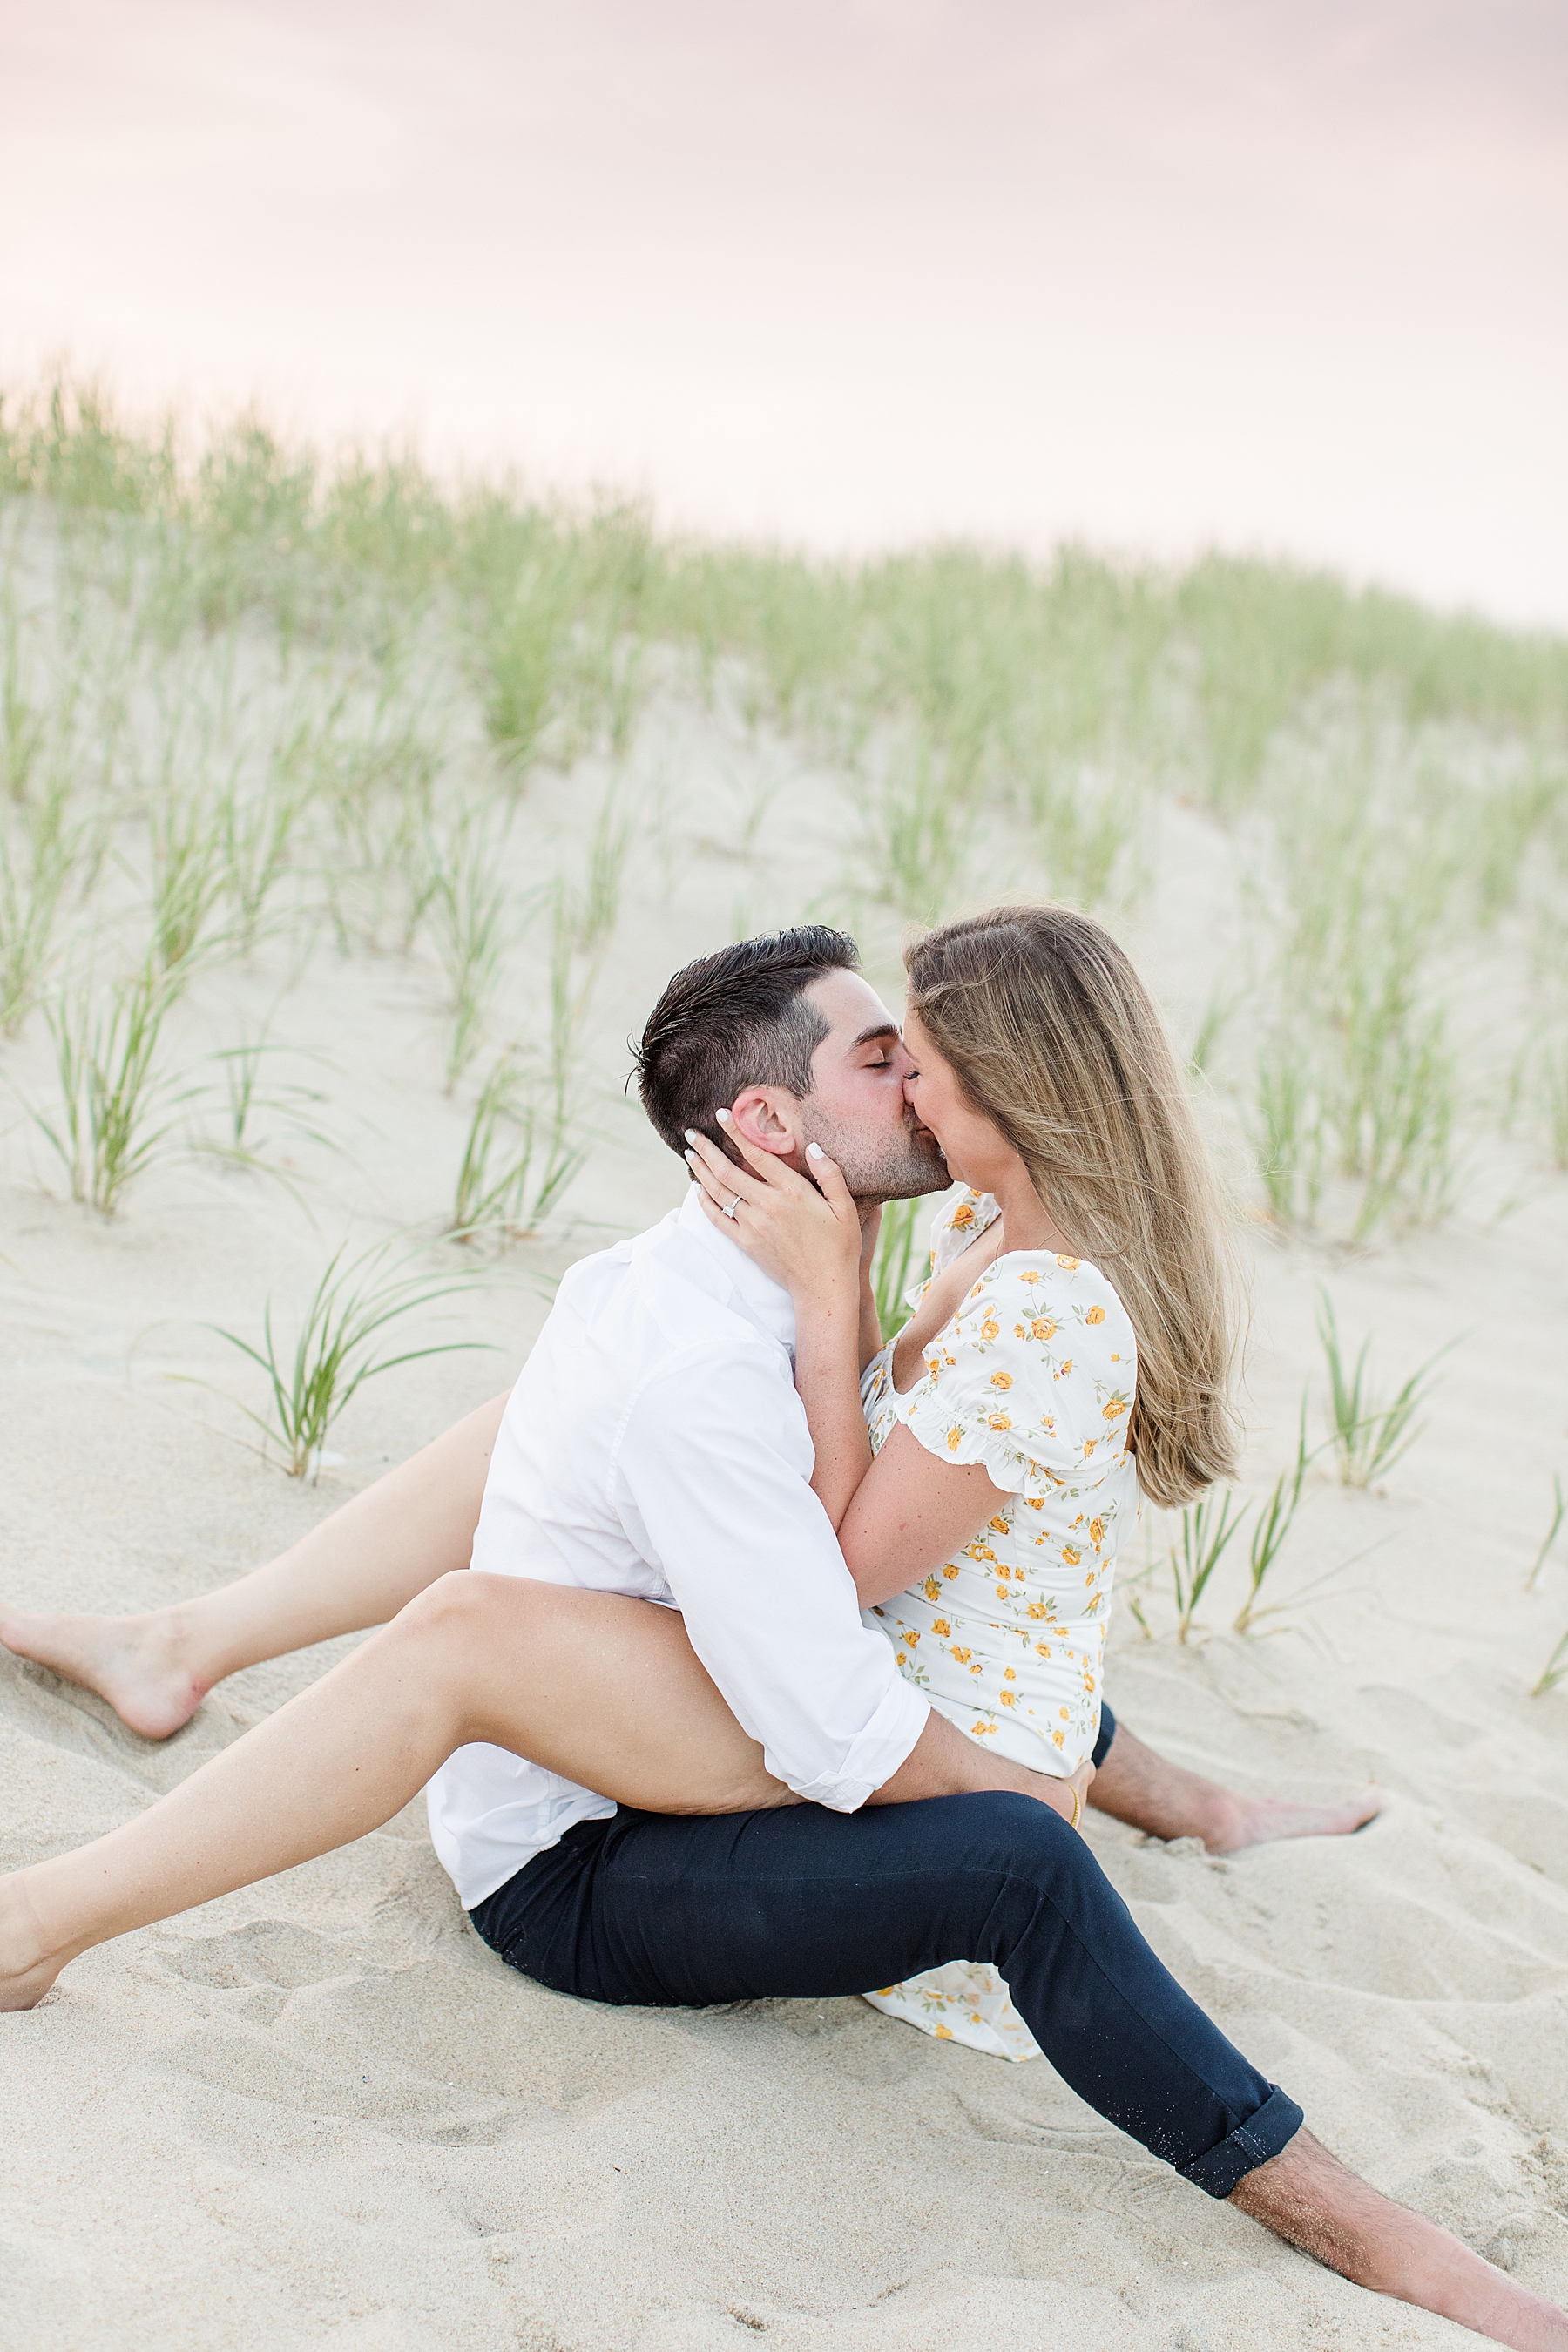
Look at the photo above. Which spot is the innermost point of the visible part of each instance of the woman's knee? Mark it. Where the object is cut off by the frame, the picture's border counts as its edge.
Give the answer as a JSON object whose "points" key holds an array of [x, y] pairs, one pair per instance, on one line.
{"points": [[463, 1605]]}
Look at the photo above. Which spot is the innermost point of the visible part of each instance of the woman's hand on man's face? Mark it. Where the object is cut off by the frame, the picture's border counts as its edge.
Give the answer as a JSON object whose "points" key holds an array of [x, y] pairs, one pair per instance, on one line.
{"points": [[806, 1238]]}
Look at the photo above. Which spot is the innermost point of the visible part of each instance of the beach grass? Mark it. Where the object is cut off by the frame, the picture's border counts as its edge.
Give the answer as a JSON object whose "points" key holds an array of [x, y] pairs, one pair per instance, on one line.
{"points": [[1369, 1437], [284, 690], [334, 1350], [117, 1108], [1208, 1530]]}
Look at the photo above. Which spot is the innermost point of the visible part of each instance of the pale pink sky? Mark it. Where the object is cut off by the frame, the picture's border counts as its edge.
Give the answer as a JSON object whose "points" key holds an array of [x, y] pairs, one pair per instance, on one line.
{"points": [[1283, 274]]}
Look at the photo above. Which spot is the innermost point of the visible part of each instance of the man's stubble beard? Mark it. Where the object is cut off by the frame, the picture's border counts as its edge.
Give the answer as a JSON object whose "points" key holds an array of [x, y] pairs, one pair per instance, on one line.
{"points": [[882, 1166]]}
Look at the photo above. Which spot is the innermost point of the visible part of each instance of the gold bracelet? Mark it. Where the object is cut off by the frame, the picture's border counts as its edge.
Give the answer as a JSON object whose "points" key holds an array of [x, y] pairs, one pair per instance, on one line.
{"points": [[1077, 1806]]}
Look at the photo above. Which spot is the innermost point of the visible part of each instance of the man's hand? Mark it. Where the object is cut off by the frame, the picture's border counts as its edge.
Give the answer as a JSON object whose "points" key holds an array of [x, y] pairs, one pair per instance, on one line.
{"points": [[944, 1763]]}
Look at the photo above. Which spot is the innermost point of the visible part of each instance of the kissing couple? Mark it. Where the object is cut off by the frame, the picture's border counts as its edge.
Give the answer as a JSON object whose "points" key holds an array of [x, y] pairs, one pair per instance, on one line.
{"points": [[746, 1651]]}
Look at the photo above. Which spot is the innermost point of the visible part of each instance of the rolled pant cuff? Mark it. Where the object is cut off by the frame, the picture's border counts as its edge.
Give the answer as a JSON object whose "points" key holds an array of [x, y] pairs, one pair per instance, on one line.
{"points": [[1262, 2135]]}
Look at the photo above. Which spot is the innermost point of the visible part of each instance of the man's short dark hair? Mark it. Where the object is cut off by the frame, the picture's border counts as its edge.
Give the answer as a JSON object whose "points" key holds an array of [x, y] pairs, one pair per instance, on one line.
{"points": [[739, 1018]]}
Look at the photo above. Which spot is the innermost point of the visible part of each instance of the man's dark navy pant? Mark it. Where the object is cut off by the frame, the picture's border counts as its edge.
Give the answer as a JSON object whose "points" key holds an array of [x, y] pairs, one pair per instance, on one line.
{"points": [[803, 1903]]}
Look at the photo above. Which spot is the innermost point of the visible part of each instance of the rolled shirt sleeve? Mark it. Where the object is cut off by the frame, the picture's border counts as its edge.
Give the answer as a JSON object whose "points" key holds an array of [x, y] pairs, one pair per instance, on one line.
{"points": [[712, 1476]]}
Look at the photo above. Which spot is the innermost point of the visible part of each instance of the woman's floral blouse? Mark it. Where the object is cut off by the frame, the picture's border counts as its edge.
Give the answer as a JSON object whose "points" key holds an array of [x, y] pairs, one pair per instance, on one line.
{"points": [[1034, 1377]]}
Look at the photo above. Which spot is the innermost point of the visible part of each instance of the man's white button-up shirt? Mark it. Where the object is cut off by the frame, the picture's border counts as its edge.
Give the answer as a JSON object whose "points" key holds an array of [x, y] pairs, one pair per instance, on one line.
{"points": [[655, 1445]]}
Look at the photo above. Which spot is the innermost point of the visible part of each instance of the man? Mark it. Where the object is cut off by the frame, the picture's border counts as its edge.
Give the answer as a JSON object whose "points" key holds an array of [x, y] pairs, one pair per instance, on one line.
{"points": [[655, 1448], [710, 1446]]}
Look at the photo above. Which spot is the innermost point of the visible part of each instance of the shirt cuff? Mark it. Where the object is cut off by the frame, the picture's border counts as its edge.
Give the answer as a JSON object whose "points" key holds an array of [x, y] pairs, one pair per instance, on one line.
{"points": [[873, 1756]]}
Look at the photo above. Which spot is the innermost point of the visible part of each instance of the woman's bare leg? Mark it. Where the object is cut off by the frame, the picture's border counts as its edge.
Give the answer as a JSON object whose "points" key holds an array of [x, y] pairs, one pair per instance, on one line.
{"points": [[611, 1694], [358, 1568], [616, 1700]]}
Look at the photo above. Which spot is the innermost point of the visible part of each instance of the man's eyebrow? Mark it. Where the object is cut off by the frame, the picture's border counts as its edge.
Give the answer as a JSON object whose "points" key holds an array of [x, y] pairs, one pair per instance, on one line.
{"points": [[877, 1029]]}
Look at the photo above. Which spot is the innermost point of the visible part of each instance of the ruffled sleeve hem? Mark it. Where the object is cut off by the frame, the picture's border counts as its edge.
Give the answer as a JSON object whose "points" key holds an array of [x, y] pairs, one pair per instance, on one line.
{"points": [[966, 1442], [1033, 1379]]}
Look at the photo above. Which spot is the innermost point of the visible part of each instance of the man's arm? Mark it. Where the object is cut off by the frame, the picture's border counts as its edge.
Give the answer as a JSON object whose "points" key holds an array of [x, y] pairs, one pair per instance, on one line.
{"points": [[944, 1763], [716, 1463]]}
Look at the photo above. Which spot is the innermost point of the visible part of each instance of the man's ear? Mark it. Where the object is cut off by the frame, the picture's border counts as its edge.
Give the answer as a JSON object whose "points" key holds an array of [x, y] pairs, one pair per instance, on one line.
{"points": [[769, 1118]]}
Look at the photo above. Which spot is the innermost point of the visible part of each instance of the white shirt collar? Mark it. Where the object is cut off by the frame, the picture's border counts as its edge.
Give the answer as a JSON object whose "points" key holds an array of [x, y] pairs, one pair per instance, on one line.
{"points": [[768, 1302]]}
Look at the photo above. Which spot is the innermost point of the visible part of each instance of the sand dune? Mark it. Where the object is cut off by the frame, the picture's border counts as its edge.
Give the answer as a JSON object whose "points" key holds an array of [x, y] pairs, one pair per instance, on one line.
{"points": [[321, 2113]]}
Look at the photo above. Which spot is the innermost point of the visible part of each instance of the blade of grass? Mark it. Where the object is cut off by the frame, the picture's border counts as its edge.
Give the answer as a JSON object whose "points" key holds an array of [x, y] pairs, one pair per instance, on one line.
{"points": [[1552, 1532], [333, 1355], [1207, 1528], [1273, 1525]]}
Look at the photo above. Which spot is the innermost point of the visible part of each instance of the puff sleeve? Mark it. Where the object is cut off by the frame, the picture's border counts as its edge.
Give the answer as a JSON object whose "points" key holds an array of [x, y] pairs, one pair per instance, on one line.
{"points": [[1034, 1378]]}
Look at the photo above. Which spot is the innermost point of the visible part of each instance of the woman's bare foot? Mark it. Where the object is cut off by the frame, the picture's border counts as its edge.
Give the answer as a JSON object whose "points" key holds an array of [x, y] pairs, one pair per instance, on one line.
{"points": [[27, 1967], [1307, 2197], [1164, 1800], [140, 1665]]}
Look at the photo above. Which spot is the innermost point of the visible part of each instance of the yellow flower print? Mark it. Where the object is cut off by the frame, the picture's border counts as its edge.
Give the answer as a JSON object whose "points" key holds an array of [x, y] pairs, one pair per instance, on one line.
{"points": [[998, 1421], [1115, 1409], [963, 1656], [954, 1438], [1037, 1609], [932, 1589], [1095, 1315], [1035, 1502], [913, 1641], [1009, 1698], [1072, 1557], [941, 2032], [1059, 1738], [998, 1526], [950, 1571], [901, 1660], [1069, 1264], [1097, 1532], [1042, 1649], [1065, 1716], [1001, 1380], [1042, 1327], [990, 1328], [1009, 1675], [1088, 1445], [940, 1626], [1003, 1593], [962, 1217]]}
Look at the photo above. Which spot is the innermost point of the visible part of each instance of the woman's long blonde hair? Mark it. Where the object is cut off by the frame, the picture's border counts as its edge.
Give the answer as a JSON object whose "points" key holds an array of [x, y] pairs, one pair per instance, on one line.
{"points": [[1052, 1035]]}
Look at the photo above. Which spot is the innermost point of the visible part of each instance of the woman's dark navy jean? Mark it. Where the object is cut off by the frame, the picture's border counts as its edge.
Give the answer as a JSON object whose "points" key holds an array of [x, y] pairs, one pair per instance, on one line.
{"points": [[802, 1903]]}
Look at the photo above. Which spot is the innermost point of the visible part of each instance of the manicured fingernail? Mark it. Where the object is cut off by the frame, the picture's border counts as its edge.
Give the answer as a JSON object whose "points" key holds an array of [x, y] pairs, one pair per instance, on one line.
{"points": [[690, 1159], [813, 1152], [690, 1137], [722, 1117]]}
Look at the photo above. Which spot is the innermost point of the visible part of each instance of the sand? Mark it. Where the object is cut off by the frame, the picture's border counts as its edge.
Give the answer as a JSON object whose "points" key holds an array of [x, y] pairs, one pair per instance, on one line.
{"points": [[321, 2113]]}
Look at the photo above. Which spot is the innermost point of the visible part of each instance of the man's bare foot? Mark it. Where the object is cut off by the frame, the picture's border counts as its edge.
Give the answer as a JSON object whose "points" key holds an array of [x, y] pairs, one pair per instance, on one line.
{"points": [[1238, 1821], [26, 1970], [1165, 1801], [1307, 2197], [140, 1665]]}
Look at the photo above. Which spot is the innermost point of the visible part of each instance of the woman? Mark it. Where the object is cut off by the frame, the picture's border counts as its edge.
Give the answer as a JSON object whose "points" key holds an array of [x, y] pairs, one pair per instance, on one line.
{"points": [[1071, 1133], [1091, 1165]]}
